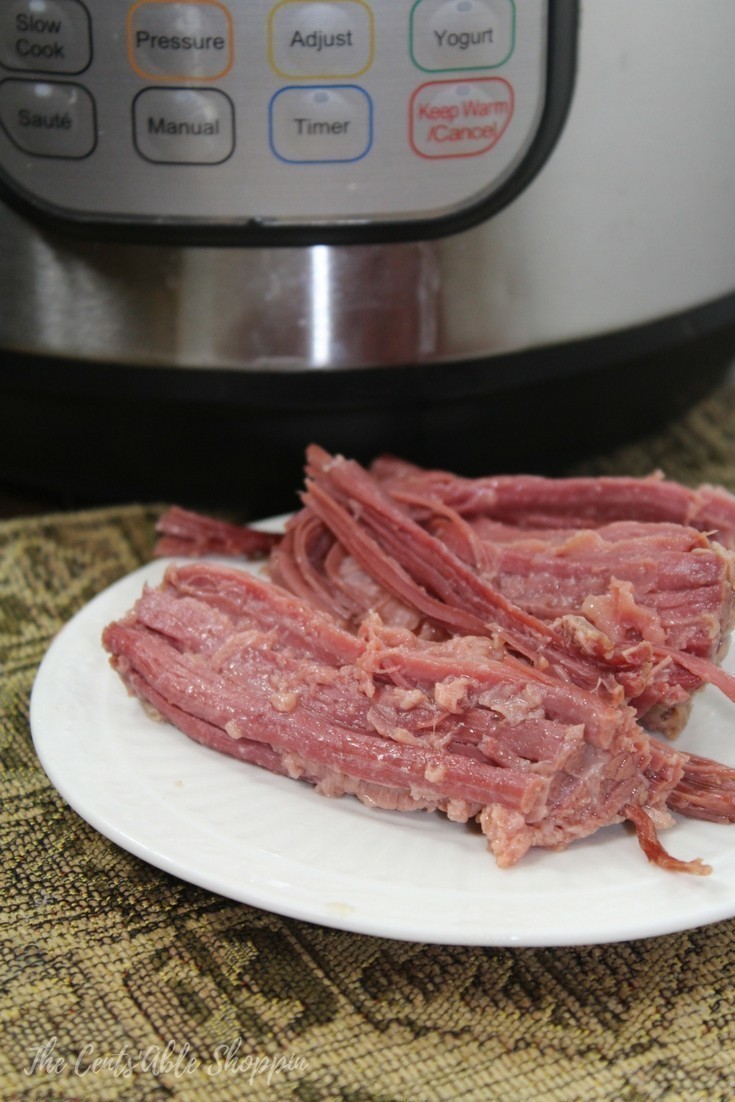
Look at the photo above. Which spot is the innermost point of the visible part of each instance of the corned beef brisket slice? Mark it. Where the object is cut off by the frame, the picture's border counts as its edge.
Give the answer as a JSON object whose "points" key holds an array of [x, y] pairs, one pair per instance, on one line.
{"points": [[356, 547], [432, 654], [398, 721], [532, 501]]}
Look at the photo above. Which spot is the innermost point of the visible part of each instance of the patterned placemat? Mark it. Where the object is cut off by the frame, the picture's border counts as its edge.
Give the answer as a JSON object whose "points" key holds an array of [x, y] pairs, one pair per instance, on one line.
{"points": [[120, 982]]}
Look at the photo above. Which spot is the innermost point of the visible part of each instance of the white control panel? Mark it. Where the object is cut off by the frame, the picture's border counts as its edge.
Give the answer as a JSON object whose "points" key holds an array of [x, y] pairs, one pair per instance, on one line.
{"points": [[271, 113]]}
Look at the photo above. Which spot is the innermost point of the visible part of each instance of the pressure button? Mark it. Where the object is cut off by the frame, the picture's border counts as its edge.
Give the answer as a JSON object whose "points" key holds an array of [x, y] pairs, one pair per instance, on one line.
{"points": [[45, 36], [180, 40]]}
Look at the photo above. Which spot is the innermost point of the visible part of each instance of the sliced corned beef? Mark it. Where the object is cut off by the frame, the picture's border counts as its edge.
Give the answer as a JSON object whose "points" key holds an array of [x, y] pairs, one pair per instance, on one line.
{"points": [[531, 501], [396, 720], [488, 648], [183, 532]]}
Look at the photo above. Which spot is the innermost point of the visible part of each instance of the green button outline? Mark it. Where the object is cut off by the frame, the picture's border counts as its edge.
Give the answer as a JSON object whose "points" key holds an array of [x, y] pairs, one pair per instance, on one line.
{"points": [[468, 68]]}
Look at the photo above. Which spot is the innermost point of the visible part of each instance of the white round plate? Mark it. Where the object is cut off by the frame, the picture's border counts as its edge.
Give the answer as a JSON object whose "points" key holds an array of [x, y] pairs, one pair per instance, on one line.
{"points": [[274, 843]]}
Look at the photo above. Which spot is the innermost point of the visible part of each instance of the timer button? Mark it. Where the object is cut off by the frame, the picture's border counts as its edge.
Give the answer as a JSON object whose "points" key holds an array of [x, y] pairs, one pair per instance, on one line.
{"points": [[450, 35], [180, 39], [47, 119], [321, 125], [321, 40], [45, 36]]}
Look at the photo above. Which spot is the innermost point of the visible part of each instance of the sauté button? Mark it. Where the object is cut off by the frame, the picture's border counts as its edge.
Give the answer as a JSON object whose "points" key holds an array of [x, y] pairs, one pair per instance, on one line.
{"points": [[45, 36], [48, 119]]}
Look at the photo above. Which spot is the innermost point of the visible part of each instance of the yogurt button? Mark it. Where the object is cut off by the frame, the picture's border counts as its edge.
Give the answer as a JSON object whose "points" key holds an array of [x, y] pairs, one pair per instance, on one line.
{"points": [[454, 35]]}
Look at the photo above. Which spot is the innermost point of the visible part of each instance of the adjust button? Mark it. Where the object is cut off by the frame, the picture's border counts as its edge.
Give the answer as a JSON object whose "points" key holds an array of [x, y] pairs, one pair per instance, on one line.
{"points": [[45, 36], [48, 119], [180, 40], [321, 40], [194, 126]]}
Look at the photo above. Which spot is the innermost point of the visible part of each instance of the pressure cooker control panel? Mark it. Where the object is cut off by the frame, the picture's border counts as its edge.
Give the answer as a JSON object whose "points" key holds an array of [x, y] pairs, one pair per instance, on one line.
{"points": [[260, 120]]}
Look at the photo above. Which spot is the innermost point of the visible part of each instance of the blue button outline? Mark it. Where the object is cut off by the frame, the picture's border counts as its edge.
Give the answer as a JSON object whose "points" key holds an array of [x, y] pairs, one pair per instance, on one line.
{"points": [[316, 88]]}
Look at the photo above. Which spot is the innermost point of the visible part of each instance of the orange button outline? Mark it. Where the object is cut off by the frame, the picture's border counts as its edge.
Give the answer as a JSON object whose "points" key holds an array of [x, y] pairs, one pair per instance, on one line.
{"points": [[179, 76]]}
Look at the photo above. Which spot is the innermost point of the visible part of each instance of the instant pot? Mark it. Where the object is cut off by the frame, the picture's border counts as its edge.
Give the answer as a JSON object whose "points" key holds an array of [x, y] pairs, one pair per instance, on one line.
{"points": [[482, 234]]}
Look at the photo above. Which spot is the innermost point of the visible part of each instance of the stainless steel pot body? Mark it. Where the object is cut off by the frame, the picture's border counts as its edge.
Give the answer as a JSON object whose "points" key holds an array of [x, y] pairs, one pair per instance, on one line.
{"points": [[630, 220]]}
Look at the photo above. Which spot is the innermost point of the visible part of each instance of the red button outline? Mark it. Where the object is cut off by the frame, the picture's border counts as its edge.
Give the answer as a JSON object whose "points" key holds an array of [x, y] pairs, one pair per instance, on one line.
{"points": [[440, 83]]}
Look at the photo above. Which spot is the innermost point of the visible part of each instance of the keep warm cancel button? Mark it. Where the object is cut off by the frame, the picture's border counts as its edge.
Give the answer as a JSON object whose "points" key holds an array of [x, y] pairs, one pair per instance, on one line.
{"points": [[451, 119]]}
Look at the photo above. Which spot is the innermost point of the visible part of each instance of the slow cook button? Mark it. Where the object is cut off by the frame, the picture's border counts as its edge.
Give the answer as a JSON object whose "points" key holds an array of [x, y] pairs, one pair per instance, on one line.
{"points": [[48, 119], [321, 40], [180, 39], [465, 119], [45, 36], [184, 126], [321, 125], [449, 35]]}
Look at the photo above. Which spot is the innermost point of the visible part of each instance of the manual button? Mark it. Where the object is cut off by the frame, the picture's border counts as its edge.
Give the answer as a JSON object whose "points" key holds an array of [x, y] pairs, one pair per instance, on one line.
{"points": [[45, 36], [48, 119], [192, 126]]}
